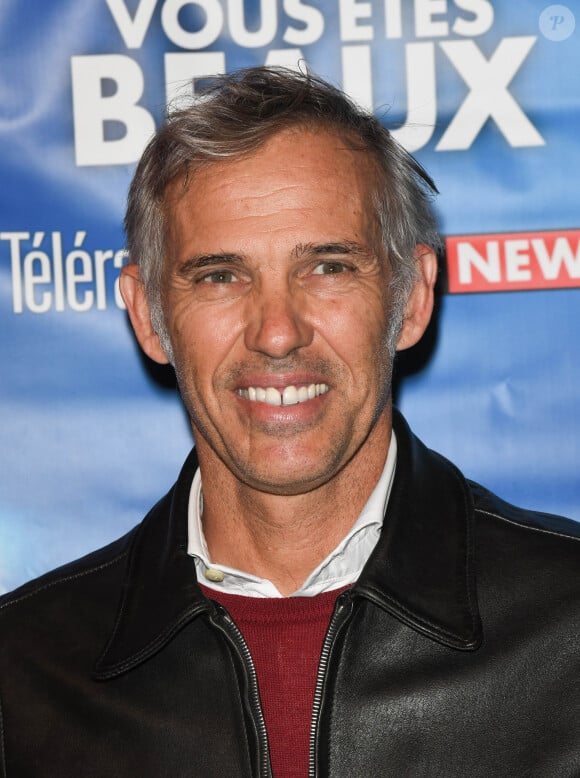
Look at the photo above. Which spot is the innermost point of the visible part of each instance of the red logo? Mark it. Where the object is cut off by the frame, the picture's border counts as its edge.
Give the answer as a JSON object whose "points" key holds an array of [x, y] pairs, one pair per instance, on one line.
{"points": [[513, 261]]}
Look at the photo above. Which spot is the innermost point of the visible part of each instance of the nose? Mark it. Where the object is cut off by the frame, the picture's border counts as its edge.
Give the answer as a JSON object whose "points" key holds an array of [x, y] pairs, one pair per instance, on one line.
{"points": [[277, 323]]}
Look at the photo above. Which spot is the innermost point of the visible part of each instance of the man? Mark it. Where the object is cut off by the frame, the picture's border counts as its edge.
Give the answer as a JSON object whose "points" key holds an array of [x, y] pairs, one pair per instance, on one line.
{"points": [[318, 594]]}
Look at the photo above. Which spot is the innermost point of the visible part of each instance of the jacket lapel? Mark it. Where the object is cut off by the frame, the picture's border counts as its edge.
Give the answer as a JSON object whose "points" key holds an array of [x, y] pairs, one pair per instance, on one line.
{"points": [[422, 570], [160, 592]]}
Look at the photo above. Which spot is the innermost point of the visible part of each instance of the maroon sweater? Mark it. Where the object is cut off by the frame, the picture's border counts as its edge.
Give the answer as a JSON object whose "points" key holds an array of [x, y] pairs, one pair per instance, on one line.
{"points": [[285, 638]]}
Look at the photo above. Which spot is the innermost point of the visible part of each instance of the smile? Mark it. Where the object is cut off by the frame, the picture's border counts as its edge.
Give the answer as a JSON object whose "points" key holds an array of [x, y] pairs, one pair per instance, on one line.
{"points": [[290, 395]]}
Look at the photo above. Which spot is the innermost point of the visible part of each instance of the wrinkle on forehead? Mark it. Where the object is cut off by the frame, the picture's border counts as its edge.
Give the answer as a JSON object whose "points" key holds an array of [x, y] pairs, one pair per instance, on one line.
{"points": [[288, 168], [362, 158]]}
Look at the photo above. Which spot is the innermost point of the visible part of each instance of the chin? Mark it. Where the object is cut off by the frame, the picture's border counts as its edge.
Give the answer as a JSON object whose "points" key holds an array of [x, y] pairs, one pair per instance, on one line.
{"points": [[285, 484]]}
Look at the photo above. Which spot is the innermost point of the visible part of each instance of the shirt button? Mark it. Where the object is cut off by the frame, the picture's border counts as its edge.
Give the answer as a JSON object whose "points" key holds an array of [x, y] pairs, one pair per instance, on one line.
{"points": [[214, 575]]}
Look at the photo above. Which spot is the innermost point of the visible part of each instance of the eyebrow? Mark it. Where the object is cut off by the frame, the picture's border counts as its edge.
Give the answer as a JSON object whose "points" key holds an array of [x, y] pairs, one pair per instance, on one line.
{"points": [[207, 260], [340, 247]]}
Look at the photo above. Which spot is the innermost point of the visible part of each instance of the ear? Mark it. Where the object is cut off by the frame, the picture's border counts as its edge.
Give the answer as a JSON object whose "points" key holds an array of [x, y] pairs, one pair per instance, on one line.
{"points": [[133, 293], [420, 305]]}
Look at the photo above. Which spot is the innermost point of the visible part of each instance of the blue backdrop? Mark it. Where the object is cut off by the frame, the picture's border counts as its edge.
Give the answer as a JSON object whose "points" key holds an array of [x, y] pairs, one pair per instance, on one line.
{"points": [[488, 97]]}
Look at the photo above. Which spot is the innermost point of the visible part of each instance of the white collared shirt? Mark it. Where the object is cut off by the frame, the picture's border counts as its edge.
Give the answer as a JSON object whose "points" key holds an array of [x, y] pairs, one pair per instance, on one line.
{"points": [[340, 568]]}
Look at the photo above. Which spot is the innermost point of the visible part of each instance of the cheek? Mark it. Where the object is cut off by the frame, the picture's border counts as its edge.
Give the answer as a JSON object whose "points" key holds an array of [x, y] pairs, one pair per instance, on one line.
{"points": [[202, 341], [355, 327]]}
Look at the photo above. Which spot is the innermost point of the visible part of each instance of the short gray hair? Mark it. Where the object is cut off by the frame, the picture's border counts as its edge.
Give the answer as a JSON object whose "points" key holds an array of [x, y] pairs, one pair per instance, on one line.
{"points": [[235, 115]]}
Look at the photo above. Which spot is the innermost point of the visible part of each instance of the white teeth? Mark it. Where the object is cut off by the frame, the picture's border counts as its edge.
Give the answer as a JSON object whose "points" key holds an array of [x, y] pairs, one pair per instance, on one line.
{"points": [[273, 396], [290, 395]]}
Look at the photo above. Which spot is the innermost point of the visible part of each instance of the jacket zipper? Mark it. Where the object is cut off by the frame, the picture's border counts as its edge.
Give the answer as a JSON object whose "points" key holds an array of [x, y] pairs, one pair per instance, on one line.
{"points": [[230, 629], [342, 610]]}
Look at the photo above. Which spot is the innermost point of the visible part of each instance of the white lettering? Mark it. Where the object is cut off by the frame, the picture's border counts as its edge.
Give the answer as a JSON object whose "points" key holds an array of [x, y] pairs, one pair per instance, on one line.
{"points": [[91, 110], [133, 30], [57, 271], [312, 19], [561, 254], [421, 96], [483, 13], [36, 271], [118, 260], [264, 34], [208, 34], [101, 258], [488, 96], [79, 270], [425, 27], [393, 19], [356, 75], [36, 268], [488, 266], [285, 58], [350, 11], [517, 260], [183, 68], [14, 239]]}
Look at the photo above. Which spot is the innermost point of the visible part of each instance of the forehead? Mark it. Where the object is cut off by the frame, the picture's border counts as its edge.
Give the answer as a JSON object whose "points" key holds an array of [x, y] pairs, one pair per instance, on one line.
{"points": [[296, 175]]}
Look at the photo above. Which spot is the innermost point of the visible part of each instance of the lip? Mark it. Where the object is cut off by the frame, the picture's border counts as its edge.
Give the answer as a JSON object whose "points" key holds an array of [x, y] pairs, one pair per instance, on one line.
{"points": [[281, 380], [276, 420], [261, 412]]}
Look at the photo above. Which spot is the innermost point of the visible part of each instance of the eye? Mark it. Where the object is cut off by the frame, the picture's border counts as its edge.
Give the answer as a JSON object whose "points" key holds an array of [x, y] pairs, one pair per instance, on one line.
{"points": [[329, 268], [219, 277]]}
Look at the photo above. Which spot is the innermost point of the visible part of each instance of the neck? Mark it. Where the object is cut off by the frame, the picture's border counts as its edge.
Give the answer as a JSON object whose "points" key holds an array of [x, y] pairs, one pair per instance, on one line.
{"points": [[284, 537]]}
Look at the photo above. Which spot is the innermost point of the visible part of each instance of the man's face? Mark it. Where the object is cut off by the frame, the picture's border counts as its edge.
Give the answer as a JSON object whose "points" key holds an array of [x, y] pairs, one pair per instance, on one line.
{"points": [[277, 306]]}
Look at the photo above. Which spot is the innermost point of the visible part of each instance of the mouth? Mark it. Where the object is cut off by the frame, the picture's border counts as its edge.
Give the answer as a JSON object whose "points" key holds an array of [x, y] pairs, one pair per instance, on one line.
{"points": [[287, 395]]}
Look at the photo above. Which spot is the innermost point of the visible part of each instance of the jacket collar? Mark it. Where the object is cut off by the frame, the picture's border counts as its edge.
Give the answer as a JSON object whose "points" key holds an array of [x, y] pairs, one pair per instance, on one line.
{"points": [[421, 570], [160, 593]]}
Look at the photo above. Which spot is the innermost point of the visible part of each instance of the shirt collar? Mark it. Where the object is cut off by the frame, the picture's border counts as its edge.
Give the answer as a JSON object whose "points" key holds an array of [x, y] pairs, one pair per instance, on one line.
{"points": [[340, 568]]}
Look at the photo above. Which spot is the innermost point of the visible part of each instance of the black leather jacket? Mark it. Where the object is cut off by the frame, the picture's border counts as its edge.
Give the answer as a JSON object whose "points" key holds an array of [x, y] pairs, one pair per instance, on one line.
{"points": [[455, 654]]}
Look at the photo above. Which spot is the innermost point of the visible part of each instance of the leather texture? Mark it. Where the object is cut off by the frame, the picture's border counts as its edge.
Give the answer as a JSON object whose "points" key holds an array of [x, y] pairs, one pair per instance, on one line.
{"points": [[457, 654]]}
